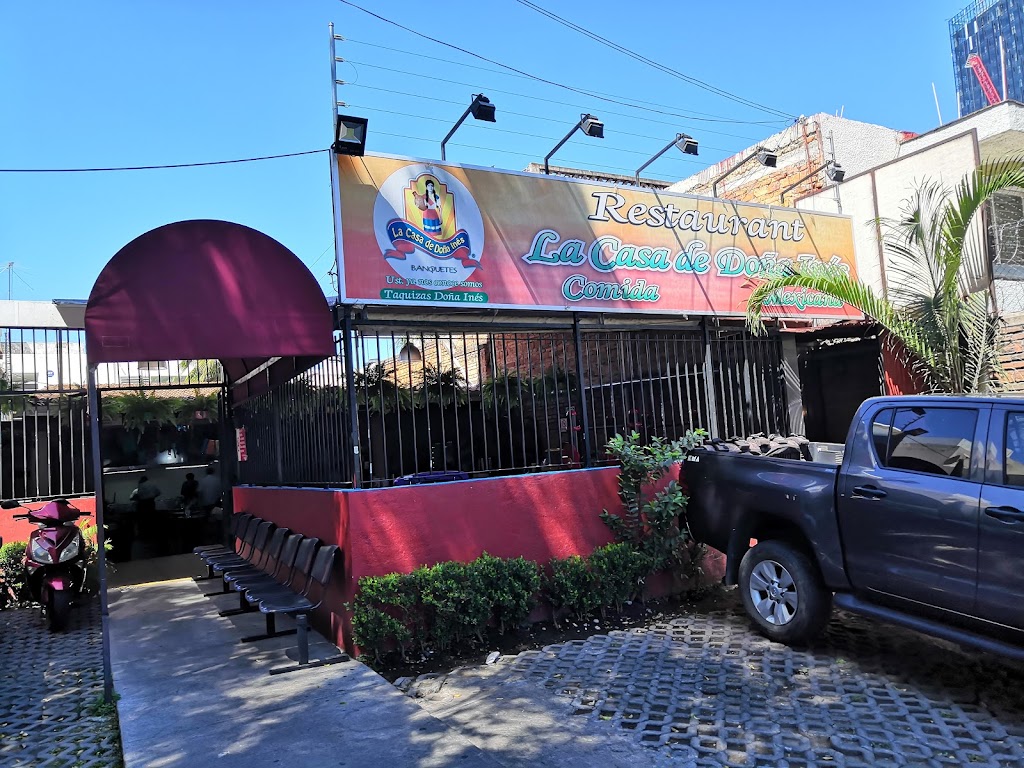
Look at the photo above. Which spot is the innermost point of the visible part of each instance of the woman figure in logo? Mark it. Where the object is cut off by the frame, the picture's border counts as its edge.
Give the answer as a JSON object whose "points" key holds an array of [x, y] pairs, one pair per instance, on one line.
{"points": [[430, 204]]}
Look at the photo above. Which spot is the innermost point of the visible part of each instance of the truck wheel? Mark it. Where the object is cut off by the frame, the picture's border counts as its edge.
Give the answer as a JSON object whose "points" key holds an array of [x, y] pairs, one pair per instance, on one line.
{"points": [[783, 592]]}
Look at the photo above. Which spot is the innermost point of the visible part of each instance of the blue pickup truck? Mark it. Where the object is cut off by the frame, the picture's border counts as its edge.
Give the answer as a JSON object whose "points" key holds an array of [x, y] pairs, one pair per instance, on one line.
{"points": [[922, 524]]}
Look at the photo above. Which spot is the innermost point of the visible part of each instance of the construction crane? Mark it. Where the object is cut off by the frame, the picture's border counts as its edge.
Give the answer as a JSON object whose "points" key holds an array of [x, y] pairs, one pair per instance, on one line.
{"points": [[975, 63]]}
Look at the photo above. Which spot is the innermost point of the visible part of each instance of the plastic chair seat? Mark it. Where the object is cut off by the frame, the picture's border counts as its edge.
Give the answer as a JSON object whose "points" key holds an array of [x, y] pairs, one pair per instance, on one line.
{"points": [[285, 604]]}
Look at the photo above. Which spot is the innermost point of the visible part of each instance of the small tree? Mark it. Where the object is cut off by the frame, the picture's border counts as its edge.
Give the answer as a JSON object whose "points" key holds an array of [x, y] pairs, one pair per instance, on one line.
{"points": [[651, 520]]}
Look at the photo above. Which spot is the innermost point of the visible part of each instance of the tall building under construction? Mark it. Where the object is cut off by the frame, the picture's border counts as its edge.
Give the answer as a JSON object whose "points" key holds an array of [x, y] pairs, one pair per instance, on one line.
{"points": [[987, 39]]}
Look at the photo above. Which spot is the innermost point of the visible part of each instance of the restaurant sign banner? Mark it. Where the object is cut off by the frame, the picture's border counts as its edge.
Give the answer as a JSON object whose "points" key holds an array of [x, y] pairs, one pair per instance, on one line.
{"points": [[417, 233]]}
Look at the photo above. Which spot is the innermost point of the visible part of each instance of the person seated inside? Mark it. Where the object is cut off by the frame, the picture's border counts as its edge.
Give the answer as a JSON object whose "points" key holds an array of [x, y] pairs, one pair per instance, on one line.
{"points": [[190, 491]]}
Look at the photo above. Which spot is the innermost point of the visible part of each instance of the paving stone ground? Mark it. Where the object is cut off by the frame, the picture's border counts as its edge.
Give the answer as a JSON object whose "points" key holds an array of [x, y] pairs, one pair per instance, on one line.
{"points": [[706, 690], [47, 683]]}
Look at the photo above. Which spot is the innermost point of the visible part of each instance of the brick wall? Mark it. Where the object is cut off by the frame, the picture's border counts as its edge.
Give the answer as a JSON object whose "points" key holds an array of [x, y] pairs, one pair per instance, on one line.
{"points": [[1012, 357], [799, 149]]}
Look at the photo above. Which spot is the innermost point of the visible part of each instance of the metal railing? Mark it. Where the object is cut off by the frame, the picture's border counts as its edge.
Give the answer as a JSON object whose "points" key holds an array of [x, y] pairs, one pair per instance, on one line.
{"points": [[505, 400], [45, 448]]}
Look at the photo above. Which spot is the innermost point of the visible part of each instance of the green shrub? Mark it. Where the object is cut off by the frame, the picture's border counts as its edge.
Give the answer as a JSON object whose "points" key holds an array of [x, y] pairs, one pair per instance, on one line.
{"points": [[453, 598], [12, 573], [618, 572], [511, 586], [571, 585], [380, 616]]}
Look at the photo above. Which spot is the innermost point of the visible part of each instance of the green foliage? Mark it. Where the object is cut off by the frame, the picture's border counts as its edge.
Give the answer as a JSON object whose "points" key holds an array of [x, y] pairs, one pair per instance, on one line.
{"points": [[200, 371], [137, 409], [12, 574], [377, 392], [570, 585], [441, 606], [381, 613], [97, 707], [91, 552], [619, 571], [505, 391], [454, 601], [442, 388], [935, 316], [651, 523], [512, 585]]}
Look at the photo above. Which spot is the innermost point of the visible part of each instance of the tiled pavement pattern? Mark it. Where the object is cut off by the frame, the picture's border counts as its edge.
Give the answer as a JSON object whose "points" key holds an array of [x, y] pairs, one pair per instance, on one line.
{"points": [[47, 682], [707, 690]]}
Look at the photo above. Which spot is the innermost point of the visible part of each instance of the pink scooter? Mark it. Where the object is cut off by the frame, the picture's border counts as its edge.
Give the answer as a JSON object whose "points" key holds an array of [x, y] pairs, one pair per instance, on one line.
{"points": [[54, 558]]}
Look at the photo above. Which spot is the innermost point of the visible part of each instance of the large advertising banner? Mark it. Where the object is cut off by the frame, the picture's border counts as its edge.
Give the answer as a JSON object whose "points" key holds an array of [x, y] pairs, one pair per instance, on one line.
{"points": [[416, 233]]}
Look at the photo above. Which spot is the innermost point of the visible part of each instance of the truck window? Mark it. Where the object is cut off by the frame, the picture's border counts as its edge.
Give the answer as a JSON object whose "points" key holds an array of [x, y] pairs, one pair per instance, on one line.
{"points": [[880, 427], [933, 440], [1013, 471]]}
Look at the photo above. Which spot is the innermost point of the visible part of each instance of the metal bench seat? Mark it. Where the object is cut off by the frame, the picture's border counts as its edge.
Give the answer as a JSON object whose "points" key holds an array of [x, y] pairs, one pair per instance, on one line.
{"points": [[301, 605]]}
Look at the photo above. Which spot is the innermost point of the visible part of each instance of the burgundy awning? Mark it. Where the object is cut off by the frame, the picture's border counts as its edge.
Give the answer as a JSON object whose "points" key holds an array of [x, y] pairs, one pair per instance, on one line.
{"points": [[197, 290]]}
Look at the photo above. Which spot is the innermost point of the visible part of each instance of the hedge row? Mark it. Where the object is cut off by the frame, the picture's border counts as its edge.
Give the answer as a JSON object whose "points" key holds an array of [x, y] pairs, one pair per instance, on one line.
{"points": [[436, 608]]}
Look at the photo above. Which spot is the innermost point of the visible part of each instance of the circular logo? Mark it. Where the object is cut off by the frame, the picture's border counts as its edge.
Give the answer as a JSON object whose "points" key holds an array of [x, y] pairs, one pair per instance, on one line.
{"points": [[428, 227]]}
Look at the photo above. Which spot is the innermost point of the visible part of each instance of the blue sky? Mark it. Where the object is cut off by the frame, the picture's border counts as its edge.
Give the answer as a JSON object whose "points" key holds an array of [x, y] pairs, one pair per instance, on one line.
{"points": [[140, 83]]}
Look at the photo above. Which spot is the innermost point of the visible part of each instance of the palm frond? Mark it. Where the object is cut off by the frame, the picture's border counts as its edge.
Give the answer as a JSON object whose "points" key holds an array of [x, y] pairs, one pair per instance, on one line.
{"points": [[947, 327]]}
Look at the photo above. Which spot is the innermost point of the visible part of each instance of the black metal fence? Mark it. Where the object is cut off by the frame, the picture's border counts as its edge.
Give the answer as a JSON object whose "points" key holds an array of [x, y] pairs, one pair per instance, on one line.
{"points": [[45, 444], [503, 400]]}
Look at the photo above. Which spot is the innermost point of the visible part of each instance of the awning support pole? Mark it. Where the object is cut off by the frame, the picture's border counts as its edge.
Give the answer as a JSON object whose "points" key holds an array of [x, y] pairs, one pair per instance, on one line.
{"points": [[350, 389], [95, 427]]}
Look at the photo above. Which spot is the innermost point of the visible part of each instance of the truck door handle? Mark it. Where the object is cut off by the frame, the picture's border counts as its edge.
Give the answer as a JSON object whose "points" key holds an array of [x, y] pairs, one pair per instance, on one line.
{"points": [[868, 492], [1005, 514]]}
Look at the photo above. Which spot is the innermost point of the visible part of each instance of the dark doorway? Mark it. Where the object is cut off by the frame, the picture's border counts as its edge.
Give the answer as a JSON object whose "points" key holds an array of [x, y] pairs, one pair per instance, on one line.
{"points": [[835, 379]]}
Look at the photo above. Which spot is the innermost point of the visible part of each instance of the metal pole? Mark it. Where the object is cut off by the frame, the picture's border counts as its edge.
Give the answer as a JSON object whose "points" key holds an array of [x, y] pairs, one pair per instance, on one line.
{"points": [[335, 180], [455, 128], [1002, 60], [659, 154], [96, 424], [582, 384], [709, 381], [558, 146], [350, 387]]}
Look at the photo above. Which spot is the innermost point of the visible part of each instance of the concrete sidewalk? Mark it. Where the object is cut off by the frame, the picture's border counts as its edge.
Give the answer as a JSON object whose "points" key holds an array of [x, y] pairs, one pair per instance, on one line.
{"points": [[193, 695]]}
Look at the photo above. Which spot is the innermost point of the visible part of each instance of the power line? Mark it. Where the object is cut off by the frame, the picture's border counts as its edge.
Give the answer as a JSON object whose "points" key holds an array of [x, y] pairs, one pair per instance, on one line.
{"points": [[684, 116], [159, 167], [403, 52], [650, 62], [525, 95], [554, 83], [674, 124]]}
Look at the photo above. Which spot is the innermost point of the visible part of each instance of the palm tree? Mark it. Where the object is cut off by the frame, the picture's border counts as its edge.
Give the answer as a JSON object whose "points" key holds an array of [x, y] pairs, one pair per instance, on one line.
{"points": [[944, 325], [377, 391], [201, 371], [441, 387]]}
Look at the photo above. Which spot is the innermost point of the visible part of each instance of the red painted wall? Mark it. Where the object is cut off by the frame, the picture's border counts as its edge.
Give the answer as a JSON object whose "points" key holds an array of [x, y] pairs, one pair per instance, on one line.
{"points": [[395, 530], [899, 380], [18, 530], [552, 514]]}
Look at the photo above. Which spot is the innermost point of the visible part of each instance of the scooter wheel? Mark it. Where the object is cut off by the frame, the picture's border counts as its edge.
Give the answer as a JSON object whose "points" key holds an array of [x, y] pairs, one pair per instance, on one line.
{"points": [[58, 610]]}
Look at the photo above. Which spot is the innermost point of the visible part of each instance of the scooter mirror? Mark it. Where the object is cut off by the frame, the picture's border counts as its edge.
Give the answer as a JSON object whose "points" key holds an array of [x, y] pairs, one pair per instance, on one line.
{"points": [[9, 504]]}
